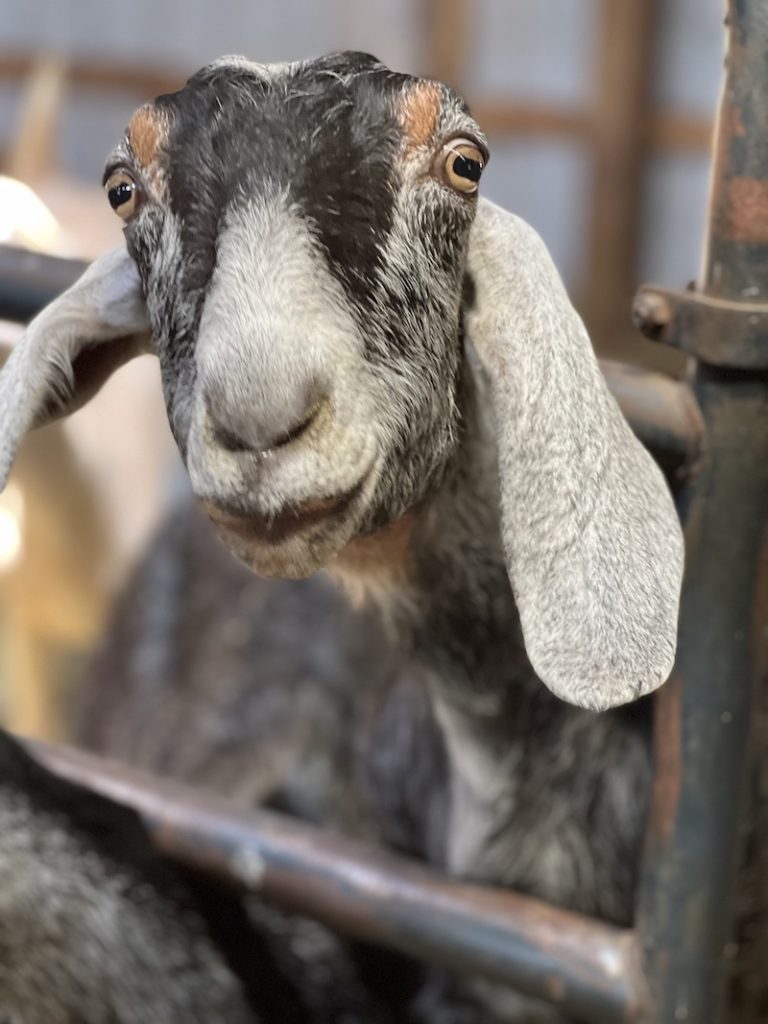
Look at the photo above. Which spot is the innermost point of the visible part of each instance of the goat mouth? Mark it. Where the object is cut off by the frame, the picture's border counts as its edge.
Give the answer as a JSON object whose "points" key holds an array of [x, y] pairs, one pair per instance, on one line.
{"points": [[275, 529]]}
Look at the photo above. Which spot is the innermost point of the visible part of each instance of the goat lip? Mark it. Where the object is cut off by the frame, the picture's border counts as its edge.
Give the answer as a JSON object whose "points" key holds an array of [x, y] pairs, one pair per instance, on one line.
{"points": [[274, 529]]}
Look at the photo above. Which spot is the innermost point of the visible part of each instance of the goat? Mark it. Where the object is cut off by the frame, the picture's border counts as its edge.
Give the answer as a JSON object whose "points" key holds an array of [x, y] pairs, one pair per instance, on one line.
{"points": [[95, 926], [370, 370]]}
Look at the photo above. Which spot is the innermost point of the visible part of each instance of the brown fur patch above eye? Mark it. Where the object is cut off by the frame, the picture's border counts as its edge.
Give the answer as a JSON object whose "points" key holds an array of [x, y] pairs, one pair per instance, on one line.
{"points": [[148, 134], [420, 111]]}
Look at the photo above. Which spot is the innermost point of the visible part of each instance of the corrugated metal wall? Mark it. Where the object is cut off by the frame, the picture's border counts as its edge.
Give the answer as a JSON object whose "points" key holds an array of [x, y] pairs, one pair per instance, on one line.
{"points": [[539, 51]]}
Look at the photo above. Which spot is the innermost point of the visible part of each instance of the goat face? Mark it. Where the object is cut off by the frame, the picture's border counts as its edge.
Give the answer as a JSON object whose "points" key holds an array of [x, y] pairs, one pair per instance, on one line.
{"points": [[298, 237], [300, 232]]}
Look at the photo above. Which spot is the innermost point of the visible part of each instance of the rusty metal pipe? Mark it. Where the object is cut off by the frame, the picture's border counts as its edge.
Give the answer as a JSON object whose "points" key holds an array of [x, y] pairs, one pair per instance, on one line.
{"points": [[587, 968], [703, 714]]}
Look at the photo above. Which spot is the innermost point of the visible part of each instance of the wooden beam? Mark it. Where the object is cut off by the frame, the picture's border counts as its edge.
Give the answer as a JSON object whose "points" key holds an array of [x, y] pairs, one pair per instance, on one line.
{"points": [[620, 111], [33, 150], [501, 117], [664, 130], [669, 130], [447, 37], [146, 82]]}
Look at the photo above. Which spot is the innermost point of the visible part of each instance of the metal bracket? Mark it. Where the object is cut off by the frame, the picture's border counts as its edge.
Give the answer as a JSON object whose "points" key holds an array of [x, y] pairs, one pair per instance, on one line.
{"points": [[720, 332]]}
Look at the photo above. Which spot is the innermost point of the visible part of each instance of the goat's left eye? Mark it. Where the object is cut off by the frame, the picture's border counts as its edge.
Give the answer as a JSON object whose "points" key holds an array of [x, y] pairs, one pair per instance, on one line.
{"points": [[463, 166], [122, 194]]}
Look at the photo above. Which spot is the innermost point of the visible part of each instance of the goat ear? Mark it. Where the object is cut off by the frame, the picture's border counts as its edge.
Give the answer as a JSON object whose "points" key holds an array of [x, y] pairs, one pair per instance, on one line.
{"points": [[592, 541], [70, 349]]}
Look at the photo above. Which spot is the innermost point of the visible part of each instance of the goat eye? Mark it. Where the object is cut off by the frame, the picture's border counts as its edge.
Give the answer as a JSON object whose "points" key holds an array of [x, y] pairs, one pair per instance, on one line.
{"points": [[122, 194], [463, 166]]}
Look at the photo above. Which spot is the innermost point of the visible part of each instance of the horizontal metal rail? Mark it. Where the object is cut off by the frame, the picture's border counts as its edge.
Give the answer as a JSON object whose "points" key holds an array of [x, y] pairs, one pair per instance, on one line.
{"points": [[30, 280], [662, 411], [585, 967]]}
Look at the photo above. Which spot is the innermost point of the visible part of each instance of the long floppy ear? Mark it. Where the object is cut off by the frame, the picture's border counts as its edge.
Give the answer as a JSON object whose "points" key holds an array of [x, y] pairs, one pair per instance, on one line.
{"points": [[593, 545], [70, 349]]}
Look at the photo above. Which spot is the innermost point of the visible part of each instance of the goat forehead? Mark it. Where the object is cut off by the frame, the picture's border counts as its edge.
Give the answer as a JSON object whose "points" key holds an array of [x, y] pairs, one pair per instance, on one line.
{"points": [[310, 124], [235, 125], [348, 107], [329, 143], [333, 135]]}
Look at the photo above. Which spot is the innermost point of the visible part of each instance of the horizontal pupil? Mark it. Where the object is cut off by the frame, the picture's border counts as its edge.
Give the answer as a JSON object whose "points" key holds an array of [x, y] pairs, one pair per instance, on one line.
{"points": [[466, 168], [119, 194]]}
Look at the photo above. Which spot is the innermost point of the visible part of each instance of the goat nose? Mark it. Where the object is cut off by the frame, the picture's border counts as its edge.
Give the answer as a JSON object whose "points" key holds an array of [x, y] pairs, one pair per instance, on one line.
{"points": [[256, 433]]}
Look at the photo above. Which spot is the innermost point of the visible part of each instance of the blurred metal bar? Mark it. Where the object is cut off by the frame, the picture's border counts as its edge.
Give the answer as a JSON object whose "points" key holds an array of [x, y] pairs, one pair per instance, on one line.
{"points": [[697, 321], [662, 411], [704, 713], [30, 280], [585, 967]]}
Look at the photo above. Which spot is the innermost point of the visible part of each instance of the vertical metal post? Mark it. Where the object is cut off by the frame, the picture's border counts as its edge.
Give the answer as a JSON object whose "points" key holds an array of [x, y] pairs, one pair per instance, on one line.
{"points": [[703, 714]]}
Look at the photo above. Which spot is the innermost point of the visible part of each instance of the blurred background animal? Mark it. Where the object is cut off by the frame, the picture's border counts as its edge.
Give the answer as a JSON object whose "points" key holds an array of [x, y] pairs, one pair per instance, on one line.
{"points": [[96, 926]]}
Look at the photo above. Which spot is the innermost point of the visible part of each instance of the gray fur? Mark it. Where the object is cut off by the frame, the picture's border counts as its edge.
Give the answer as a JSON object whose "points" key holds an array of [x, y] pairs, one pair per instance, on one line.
{"points": [[38, 381], [470, 442], [591, 536], [500, 782], [93, 928]]}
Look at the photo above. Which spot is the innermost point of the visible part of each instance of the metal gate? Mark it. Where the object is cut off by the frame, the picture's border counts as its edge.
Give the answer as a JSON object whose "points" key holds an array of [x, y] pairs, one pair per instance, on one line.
{"points": [[713, 434]]}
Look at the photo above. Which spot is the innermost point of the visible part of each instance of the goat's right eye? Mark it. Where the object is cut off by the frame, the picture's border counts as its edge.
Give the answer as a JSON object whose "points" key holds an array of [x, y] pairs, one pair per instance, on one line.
{"points": [[122, 194], [463, 165]]}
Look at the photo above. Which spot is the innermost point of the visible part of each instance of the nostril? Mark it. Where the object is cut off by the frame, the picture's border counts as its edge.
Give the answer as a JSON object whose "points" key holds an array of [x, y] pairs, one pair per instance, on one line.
{"points": [[256, 436], [301, 428], [223, 436], [227, 440]]}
